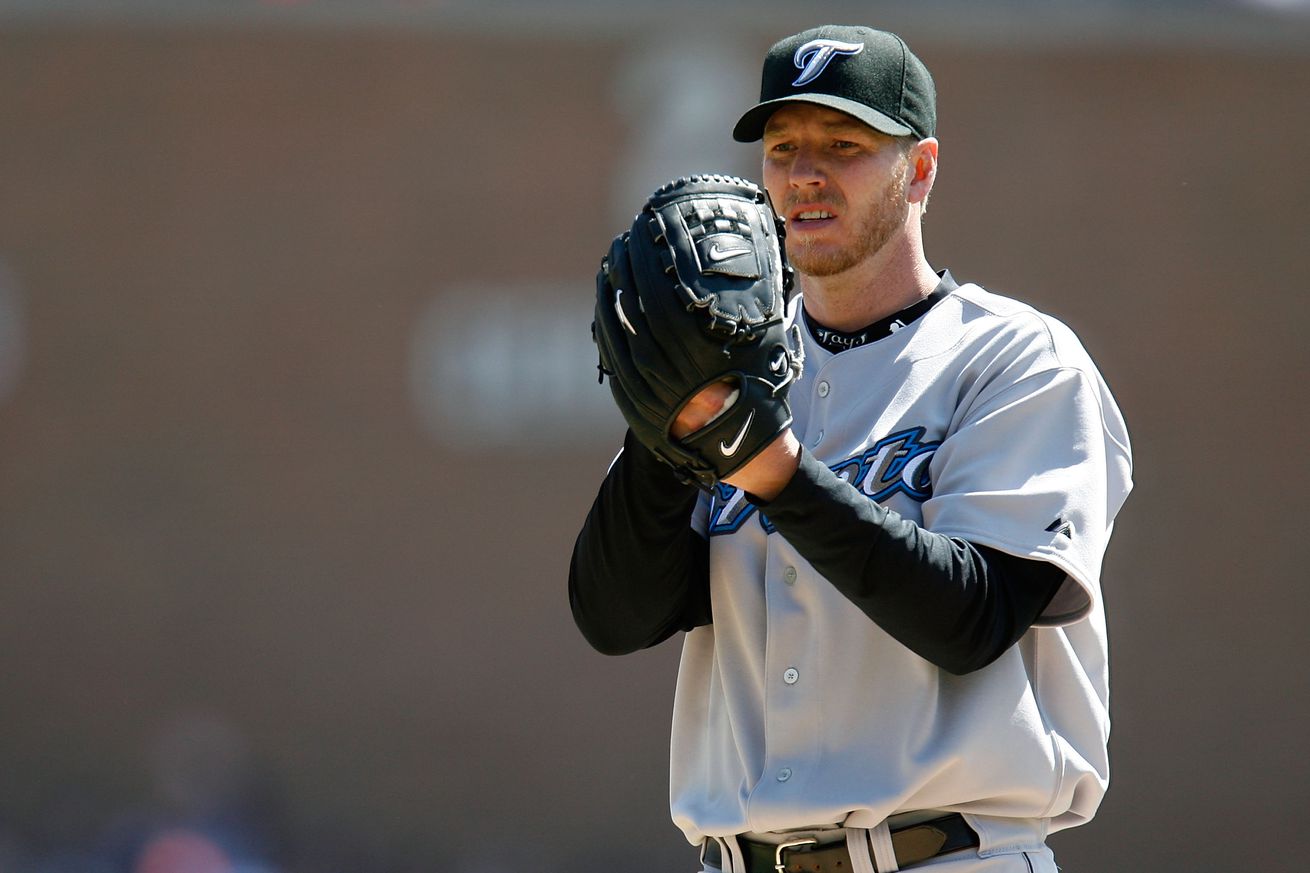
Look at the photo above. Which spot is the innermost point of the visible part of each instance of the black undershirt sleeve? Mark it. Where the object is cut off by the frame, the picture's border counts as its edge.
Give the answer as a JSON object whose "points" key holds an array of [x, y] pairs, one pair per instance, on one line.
{"points": [[639, 573], [956, 604]]}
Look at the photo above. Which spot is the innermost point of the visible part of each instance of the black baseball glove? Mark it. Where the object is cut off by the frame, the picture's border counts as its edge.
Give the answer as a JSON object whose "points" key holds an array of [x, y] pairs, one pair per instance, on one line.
{"points": [[695, 293]]}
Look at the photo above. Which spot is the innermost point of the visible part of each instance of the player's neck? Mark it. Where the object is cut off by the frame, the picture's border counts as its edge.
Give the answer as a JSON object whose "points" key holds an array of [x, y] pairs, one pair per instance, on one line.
{"points": [[896, 277]]}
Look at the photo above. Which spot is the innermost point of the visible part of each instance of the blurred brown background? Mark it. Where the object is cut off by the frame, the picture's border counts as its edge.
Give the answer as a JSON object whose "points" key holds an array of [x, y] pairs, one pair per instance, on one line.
{"points": [[298, 420]]}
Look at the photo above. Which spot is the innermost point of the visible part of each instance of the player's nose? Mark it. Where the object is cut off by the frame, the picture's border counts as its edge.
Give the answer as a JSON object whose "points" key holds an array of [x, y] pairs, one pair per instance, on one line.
{"points": [[806, 170]]}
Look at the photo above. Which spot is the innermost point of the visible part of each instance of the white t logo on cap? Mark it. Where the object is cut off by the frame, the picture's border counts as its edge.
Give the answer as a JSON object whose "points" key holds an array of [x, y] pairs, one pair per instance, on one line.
{"points": [[813, 57]]}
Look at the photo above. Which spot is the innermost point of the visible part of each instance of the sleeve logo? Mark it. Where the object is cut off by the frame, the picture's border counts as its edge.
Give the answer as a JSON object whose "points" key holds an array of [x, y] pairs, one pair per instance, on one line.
{"points": [[1060, 527]]}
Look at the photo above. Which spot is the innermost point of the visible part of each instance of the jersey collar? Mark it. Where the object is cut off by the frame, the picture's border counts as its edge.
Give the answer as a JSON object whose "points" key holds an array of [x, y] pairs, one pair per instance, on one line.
{"points": [[836, 341]]}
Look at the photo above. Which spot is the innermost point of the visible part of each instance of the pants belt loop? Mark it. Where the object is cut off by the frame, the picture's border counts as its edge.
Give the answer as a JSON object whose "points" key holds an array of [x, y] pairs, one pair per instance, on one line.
{"points": [[858, 846], [734, 861], [884, 853], [722, 860]]}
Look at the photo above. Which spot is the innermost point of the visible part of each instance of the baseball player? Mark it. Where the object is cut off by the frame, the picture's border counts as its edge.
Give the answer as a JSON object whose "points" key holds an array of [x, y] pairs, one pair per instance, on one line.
{"points": [[894, 652]]}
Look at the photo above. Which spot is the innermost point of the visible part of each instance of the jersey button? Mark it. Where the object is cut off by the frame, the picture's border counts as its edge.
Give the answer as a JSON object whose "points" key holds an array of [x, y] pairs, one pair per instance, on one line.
{"points": [[784, 774], [791, 676], [824, 389], [789, 575]]}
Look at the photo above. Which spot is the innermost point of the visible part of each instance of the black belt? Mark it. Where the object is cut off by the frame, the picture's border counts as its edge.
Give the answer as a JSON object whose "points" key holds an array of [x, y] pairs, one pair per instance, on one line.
{"points": [[912, 844]]}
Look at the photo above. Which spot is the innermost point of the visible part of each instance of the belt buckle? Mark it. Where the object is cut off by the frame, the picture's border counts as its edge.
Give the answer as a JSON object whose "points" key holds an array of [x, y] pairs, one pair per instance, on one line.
{"points": [[781, 865]]}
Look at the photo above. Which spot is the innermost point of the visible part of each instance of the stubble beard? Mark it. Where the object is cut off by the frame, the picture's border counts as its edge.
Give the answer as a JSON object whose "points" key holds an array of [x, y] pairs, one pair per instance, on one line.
{"points": [[883, 219]]}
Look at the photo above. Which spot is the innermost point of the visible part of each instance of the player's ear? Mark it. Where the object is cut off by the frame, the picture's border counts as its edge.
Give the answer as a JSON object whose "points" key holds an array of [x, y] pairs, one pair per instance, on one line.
{"points": [[922, 159]]}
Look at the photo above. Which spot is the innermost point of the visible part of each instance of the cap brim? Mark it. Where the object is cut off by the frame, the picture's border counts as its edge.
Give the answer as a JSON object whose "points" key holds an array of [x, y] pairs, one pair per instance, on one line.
{"points": [[750, 127]]}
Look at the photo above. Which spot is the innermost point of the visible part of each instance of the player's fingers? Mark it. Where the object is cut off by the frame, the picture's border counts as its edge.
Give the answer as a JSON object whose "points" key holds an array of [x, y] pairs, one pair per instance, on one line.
{"points": [[705, 406]]}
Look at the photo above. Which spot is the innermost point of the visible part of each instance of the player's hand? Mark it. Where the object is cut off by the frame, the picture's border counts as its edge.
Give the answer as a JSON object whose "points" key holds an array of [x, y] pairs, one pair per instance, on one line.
{"points": [[703, 407], [768, 472]]}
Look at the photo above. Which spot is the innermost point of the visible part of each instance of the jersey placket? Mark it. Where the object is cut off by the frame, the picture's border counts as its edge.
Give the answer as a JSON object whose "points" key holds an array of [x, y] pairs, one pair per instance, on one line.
{"points": [[793, 681], [793, 675]]}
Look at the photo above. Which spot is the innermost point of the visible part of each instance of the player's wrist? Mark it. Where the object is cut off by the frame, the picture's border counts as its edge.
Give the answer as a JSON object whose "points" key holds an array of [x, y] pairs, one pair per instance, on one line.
{"points": [[767, 474]]}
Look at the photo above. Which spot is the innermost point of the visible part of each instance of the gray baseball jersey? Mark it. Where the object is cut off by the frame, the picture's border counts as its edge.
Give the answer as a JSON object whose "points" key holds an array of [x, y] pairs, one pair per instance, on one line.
{"points": [[985, 420]]}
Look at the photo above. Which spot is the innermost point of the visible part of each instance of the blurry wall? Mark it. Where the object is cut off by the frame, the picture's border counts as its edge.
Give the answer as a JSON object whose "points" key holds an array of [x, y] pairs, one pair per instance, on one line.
{"points": [[298, 421]]}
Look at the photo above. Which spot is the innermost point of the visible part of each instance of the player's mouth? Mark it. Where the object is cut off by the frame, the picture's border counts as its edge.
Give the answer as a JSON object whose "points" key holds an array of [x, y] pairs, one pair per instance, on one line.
{"points": [[810, 217]]}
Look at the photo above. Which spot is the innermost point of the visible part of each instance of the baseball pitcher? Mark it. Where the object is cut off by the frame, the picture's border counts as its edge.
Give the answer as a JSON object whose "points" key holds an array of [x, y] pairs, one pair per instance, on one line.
{"points": [[873, 498]]}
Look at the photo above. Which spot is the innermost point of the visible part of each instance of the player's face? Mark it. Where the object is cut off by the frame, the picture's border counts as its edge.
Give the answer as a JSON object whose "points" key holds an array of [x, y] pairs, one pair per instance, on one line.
{"points": [[840, 184]]}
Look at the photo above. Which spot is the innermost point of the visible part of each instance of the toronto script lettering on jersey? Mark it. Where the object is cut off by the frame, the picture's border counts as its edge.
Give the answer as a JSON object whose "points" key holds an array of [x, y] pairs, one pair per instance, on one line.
{"points": [[898, 464]]}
